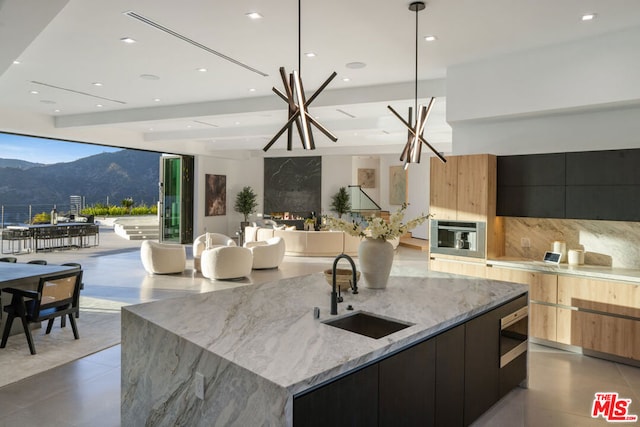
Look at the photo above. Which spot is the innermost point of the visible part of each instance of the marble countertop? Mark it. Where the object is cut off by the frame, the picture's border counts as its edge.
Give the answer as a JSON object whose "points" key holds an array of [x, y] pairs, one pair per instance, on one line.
{"points": [[270, 330], [590, 271]]}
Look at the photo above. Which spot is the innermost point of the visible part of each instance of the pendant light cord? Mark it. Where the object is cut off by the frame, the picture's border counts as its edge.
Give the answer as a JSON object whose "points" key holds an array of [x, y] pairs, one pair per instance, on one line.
{"points": [[299, 38], [416, 71]]}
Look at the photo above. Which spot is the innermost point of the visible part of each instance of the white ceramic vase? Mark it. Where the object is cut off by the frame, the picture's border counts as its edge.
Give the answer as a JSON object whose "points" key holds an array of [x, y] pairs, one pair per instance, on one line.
{"points": [[376, 258]]}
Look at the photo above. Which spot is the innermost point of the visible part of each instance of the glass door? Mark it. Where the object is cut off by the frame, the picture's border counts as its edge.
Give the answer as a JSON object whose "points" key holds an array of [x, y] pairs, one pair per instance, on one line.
{"points": [[170, 198]]}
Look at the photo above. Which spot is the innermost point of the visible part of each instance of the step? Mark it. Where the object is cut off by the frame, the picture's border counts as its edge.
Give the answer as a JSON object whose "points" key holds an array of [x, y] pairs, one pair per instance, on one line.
{"points": [[413, 243]]}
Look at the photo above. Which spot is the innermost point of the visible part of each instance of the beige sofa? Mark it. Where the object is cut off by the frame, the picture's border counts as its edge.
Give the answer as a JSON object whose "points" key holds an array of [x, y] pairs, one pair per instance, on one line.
{"points": [[308, 243]]}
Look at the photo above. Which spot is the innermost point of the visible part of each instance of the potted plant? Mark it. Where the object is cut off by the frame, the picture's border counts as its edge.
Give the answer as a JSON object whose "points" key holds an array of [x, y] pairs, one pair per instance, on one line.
{"points": [[246, 204], [340, 202]]}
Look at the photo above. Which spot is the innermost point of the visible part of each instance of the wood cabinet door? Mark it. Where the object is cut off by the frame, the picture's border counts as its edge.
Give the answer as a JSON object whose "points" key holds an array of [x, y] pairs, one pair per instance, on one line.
{"points": [[457, 267], [407, 387], [600, 295], [474, 177], [349, 401], [443, 185]]}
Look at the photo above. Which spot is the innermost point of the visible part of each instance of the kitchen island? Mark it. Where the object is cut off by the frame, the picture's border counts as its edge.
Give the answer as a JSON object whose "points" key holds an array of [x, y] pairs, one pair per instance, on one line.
{"points": [[252, 352]]}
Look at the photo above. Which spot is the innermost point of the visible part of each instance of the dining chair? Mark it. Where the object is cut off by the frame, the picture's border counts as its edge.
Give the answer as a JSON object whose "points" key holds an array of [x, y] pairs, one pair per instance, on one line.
{"points": [[75, 264], [57, 296]]}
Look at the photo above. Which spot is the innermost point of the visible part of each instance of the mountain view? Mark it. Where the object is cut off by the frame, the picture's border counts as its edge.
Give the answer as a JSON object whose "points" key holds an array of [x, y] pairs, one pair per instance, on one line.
{"points": [[99, 178]]}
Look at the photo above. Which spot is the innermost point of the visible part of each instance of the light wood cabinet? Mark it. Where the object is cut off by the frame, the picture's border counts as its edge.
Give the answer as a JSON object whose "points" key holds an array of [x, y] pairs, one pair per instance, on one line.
{"points": [[600, 295], [464, 189], [605, 315], [543, 290], [474, 269]]}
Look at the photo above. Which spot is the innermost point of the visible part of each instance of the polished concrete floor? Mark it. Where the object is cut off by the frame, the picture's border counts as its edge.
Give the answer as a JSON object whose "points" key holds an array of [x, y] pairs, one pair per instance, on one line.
{"points": [[86, 392]]}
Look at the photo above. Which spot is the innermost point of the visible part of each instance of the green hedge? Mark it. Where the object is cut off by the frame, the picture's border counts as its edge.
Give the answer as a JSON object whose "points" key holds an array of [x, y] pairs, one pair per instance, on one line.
{"points": [[102, 210]]}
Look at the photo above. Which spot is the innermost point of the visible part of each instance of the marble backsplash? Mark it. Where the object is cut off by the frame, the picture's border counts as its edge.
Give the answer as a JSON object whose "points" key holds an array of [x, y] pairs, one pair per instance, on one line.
{"points": [[606, 243]]}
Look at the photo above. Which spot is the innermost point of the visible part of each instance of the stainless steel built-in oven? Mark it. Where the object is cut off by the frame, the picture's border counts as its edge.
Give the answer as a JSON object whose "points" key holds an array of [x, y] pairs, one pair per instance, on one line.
{"points": [[458, 238], [514, 333]]}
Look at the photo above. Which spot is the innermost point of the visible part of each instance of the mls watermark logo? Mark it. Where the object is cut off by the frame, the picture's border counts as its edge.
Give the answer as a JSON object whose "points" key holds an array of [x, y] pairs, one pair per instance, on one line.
{"points": [[612, 408]]}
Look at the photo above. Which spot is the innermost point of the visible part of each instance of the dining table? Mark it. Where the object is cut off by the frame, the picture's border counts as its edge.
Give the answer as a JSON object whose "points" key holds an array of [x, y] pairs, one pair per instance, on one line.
{"points": [[23, 276]]}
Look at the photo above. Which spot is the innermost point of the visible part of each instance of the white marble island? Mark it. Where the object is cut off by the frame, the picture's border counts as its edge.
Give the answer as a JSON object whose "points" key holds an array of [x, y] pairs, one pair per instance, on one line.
{"points": [[258, 346]]}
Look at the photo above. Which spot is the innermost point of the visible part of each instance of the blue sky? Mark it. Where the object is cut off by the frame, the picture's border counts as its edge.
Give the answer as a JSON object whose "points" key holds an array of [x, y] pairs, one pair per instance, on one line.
{"points": [[47, 151]]}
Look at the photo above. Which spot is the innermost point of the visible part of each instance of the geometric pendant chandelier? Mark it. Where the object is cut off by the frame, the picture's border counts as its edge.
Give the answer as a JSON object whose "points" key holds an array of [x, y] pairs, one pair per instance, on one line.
{"points": [[413, 148], [295, 97]]}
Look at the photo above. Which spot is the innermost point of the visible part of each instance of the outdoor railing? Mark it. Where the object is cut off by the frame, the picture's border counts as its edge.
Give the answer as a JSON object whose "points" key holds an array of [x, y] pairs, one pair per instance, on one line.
{"points": [[23, 214]]}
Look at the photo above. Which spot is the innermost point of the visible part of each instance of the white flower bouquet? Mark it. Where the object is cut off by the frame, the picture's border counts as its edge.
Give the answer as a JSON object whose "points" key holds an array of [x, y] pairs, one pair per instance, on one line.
{"points": [[378, 228]]}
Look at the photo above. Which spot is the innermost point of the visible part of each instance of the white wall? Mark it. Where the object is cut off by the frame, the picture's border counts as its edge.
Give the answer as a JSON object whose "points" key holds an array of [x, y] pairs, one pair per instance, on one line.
{"points": [[599, 71], [239, 174], [577, 96], [336, 173], [418, 195]]}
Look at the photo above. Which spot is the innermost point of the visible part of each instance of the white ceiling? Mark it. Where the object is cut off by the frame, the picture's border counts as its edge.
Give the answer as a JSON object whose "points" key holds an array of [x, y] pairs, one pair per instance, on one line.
{"points": [[67, 45]]}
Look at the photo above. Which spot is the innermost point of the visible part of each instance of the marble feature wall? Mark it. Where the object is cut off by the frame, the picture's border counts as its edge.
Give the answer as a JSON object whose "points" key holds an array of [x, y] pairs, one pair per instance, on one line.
{"points": [[292, 184], [606, 243]]}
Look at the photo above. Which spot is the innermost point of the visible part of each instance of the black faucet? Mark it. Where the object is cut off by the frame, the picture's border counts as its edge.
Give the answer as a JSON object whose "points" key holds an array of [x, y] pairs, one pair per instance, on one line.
{"points": [[354, 283]]}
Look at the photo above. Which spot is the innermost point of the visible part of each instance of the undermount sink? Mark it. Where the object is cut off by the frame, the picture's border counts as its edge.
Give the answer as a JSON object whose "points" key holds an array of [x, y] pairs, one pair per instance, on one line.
{"points": [[368, 324]]}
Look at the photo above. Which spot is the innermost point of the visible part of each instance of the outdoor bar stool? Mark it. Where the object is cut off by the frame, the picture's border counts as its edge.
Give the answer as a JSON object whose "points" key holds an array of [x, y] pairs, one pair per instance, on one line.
{"points": [[11, 259], [38, 261]]}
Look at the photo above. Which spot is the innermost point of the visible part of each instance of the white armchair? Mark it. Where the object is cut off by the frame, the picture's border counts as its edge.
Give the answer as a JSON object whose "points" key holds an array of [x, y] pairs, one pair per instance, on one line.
{"points": [[162, 258], [226, 262], [214, 239], [267, 254]]}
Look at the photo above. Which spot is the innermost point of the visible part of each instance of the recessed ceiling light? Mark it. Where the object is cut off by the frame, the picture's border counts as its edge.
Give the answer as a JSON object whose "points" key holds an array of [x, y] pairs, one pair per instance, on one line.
{"points": [[56, 111], [149, 77], [96, 84], [156, 99], [310, 54], [188, 126], [150, 129], [34, 92], [127, 40], [237, 123], [16, 62], [253, 15], [355, 65], [346, 79], [252, 90], [202, 70], [99, 105], [588, 16], [430, 38]]}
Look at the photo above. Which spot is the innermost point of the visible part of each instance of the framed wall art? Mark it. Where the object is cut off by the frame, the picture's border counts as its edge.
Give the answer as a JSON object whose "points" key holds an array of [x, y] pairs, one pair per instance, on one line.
{"points": [[397, 185], [367, 178], [215, 198]]}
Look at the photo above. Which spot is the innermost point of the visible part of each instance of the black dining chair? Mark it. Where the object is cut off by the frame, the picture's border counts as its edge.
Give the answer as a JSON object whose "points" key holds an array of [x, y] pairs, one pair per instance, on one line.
{"points": [[8, 259], [57, 296], [37, 261], [75, 264]]}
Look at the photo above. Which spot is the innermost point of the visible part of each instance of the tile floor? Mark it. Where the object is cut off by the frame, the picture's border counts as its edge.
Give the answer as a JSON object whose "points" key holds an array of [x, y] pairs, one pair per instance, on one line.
{"points": [[86, 392]]}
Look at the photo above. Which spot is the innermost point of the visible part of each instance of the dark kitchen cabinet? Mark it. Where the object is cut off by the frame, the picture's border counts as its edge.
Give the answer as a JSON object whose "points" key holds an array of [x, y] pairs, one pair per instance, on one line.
{"points": [[407, 387], [448, 380], [531, 170], [595, 168], [601, 185], [349, 401], [450, 354], [532, 202], [481, 368]]}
